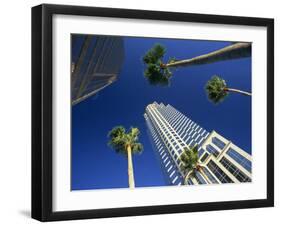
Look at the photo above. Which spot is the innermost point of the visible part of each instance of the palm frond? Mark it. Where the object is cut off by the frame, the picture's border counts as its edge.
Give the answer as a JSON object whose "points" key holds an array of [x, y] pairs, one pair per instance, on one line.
{"points": [[157, 75], [134, 132], [153, 55], [137, 148], [116, 132], [172, 60]]}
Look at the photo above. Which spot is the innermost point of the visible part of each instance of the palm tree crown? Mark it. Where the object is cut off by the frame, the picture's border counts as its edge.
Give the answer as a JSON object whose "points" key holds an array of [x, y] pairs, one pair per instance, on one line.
{"points": [[190, 159], [120, 140], [191, 165], [216, 89], [156, 72]]}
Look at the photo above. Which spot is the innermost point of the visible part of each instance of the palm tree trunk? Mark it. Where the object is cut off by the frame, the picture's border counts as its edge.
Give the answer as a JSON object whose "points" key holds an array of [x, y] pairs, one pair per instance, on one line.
{"points": [[238, 91], [235, 51], [130, 168]]}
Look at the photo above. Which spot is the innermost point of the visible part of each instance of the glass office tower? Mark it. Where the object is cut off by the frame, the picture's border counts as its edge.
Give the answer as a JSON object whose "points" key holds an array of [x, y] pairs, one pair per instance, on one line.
{"points": [[171, 131], [96, 62]]}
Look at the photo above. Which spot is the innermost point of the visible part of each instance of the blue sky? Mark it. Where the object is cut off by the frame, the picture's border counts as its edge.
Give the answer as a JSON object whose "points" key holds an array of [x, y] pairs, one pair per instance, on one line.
{"points": [[95, 165]]}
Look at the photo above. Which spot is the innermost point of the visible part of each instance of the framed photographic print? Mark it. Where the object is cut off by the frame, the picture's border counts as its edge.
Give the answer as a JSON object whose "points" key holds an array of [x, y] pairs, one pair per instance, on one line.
{"points": [[145, 112]]}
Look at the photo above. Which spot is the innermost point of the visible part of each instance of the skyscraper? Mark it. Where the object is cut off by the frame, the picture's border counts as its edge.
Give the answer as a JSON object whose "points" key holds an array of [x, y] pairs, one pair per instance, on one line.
{"points": [[171, 132], [96, 62]]}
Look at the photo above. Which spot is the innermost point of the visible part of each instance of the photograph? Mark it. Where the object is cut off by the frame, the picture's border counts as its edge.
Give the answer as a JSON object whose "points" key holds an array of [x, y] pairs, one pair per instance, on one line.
{"points": [[150, 112]]}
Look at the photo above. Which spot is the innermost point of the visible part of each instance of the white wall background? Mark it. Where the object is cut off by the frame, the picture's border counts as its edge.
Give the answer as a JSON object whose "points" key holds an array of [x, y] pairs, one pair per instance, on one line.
{"points": [[15, 113]]}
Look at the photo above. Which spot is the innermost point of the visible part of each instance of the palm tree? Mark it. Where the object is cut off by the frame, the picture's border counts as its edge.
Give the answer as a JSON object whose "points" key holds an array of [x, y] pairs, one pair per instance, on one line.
{"points": [[158, 72], [190, 163], [217, 89], [126, 144]]}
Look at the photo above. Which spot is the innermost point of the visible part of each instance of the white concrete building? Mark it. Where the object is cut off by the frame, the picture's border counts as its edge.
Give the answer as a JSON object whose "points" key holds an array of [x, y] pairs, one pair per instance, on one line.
{"points": [[171, 132]]}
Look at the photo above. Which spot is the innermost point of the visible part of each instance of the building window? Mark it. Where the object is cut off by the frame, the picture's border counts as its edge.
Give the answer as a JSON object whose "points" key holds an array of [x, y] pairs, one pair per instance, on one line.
{"points": [[171, 175], [204, 157], [189, 181], [187, 140], [241, 160], [210, 176], [170, 168], [175, 179], [167, 164], [218, 172], [201, 151], [201, 141], [239, 175], [199, 178], [192, 144], [218, 142], [212, 150]]}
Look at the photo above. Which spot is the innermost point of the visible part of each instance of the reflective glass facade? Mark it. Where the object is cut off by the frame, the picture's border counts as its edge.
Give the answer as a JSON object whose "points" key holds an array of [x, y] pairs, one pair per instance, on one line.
{"points": [[95, 64]]}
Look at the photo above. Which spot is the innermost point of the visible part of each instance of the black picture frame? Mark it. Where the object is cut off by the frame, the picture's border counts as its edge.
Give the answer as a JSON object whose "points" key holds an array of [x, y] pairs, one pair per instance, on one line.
{"points": [[42, 111]]}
